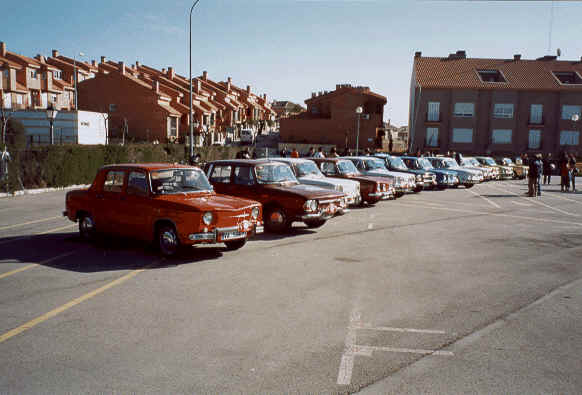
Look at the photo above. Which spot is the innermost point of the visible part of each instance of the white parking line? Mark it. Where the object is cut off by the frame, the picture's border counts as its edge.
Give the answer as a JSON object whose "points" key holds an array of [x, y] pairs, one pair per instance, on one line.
{"points": [[521, 204], [344, 376], [367, 350], [28, 223], [392, 329], [484, 198]]}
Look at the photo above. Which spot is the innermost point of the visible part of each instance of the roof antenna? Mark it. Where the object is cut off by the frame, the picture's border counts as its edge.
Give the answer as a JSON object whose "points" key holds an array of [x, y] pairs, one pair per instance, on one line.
{"points": [[551, 27]]}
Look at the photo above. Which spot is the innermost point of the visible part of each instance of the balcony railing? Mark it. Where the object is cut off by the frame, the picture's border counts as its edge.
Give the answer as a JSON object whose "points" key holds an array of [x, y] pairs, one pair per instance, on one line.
{"points": [[430, 118]]}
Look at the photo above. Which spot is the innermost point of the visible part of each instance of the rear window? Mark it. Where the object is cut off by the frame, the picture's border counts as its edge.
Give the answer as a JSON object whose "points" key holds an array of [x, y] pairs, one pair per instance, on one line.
{"points": [[113, 181]]}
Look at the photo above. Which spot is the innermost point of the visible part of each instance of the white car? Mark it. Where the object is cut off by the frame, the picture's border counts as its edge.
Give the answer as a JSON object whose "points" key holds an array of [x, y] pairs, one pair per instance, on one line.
{"points": [[247, 136], [307, 172], [372, 166]]}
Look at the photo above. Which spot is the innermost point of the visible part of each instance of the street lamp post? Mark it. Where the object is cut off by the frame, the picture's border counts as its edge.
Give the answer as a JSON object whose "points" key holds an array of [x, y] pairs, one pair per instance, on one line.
{"points": [[51, 114], [190, 64], [75, 72], [359, 111]]}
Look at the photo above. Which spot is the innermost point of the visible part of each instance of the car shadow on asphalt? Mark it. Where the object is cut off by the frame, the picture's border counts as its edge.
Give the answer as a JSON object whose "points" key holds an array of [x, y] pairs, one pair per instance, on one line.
{"points": [[297, 230]]}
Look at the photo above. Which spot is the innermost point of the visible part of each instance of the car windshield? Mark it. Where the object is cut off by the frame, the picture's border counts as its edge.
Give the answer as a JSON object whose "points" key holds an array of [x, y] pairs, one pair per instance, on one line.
{"points": [[507, 161], [347, 167], [449, 163], [306, 168], [170, 181], [518, 161], [488, 161], [471, 162], [424, 163], [398, 163], [373, 164], [273, 173]]}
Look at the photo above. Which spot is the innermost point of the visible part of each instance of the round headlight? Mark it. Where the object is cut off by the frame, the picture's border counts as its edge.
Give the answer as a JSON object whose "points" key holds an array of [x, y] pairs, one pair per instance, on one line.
{"points": [[207, 218], [255, 212], [310, 205]]}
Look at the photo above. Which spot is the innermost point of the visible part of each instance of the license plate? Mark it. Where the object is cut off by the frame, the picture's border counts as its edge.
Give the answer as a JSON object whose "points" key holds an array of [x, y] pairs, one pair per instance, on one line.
{"points": [[232, 235]]}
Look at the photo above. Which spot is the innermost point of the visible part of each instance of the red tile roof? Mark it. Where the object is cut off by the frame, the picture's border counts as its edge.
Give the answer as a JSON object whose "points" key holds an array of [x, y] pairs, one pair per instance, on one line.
{"points": [[7, 62], [446, 73]]}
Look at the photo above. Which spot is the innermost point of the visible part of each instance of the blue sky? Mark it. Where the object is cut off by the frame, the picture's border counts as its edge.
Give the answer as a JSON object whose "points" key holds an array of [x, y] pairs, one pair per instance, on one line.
{"points": [[289, 48]]}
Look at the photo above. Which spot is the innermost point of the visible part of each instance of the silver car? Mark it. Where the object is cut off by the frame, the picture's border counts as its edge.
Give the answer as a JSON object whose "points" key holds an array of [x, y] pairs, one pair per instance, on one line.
{"points": [[371, 166], [467, 177]]}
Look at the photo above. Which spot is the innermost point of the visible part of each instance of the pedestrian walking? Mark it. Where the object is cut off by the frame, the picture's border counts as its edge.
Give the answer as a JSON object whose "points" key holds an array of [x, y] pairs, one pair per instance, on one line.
{"points": [[564, 173], [573, 171], [548, 169]]}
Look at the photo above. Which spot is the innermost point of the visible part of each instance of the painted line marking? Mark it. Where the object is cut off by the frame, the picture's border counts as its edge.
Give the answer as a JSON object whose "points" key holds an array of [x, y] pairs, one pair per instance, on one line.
{"points": [[4, 275], [367, 350], [536, 202], [36, 234], [32, 323], [392, 329], [344, 376], [520, 203], [484, 198], [370, 226], [492, 214], [28, 223]]}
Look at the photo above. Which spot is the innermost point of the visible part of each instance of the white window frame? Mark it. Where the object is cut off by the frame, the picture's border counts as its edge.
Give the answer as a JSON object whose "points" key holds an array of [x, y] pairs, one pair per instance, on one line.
{"points": [[503, 110], [460, 135], [18, 99], [501, 136], [432, 137], [465, 110], [570, 137], [570, 109], [534, 139], [433, 113], [536, 114]]}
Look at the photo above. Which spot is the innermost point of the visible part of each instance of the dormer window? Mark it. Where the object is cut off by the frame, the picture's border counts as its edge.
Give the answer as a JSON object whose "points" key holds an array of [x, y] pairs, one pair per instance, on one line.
{"points": [[568, 77], [491, 76]]}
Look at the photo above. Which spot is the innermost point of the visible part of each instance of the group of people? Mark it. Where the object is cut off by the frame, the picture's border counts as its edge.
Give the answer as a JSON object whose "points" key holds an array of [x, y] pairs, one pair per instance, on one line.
{"points": [[544, 166], [312, 153]]}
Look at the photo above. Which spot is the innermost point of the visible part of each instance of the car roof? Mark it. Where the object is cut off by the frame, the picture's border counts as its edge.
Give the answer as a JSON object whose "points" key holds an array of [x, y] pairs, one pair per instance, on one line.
{"points": [[292, 160], [245, 161], [148, 166], [361, 157]]}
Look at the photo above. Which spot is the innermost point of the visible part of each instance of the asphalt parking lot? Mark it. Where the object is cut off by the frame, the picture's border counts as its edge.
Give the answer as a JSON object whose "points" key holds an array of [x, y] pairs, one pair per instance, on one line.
{"points": [[466, 290]]}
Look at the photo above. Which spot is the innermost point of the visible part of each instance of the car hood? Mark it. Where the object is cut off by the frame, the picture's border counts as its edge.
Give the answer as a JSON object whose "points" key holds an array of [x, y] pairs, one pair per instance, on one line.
{"points": [[305, 191], [206, 202], [328, 182]]}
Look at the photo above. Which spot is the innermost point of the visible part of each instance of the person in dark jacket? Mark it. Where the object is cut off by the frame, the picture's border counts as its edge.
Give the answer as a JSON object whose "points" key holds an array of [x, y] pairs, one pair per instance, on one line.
{"points": [[573, 171], [534, 174], [548, 169], [564, 173]]}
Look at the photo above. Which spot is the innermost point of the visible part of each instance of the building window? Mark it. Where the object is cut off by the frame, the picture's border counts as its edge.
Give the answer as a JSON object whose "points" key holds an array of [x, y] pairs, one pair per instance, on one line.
{"points": [[503, 110], [433, 111], [212, 119], [6, 73], [536, 112], [173, 127], [491, 76], [569, 137], [535, 139], [18, 99], [113, 181], [33, 74], [7, 102], [432, 137], [501, 136], [112, 107], [53, 98], [464, 110], [462, 135], [569, 110], [57, 75], [568, 77], [205, 119], [314, 110]]}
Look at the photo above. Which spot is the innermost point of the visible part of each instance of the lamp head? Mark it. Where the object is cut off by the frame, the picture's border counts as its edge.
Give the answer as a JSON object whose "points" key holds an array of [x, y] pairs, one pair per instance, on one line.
{"points": [[359, 110], [51, 113], [575, 117]]}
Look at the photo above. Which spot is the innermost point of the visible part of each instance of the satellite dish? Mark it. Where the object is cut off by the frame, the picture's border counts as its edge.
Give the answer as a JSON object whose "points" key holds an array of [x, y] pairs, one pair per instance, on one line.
{"points": [[559, 52]]}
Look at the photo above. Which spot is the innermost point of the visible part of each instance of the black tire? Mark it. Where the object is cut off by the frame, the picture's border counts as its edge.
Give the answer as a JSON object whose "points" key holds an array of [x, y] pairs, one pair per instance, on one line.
{"points": [[398, 194], [469, 186], [87, 229], [167, 240], [276, 220], [417, 189], [315, 223], [235, 244]]}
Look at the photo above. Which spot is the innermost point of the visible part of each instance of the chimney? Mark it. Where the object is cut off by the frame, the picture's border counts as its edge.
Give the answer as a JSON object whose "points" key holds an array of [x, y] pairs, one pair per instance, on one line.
{"points": [[121, 67], [228, 84], [55, 53], [103, 59], [2, 48], [461, 54], [94, 63], [198, 86], [163, 71], [137, 63], [313, 94], [156, 86], [40, 58], [248, 89], [204, 75], [171, 73], [516, 57], [418, 54]]}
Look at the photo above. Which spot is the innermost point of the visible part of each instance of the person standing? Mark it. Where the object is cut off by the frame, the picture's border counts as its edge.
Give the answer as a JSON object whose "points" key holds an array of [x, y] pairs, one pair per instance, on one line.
{"points": [[564, 173], [319, 153], [548, 169], [531, 178], [310, 153], [573, 171], [294, 153], [333, 153], [539, 166]]}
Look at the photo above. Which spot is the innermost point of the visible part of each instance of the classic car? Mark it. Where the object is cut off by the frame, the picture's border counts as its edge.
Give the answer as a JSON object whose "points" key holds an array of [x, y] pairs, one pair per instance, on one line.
{"points": [[467, 177], [519, 171], [372, 189], [505, 172], [424, 179], [274, 185], [171, 205], [444, 178], [371, 166], [489, 173], [307, 172]]}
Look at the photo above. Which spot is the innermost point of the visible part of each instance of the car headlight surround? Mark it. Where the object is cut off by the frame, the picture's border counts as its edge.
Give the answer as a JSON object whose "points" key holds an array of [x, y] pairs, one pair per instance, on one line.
{"points": [[310, 205], [255, 212], [207, 218]]}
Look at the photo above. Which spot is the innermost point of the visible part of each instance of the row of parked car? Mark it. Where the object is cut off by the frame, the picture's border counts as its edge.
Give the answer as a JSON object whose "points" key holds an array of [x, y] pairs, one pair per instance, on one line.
{"points": [[229, 201]]}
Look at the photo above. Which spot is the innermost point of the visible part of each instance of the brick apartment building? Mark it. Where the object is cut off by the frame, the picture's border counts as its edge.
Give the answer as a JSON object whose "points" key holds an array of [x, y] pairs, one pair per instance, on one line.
{"points": [[496, 106], [331, 119]]}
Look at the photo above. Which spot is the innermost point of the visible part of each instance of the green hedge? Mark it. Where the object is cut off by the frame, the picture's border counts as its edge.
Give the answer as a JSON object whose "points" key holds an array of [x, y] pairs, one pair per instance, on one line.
{"points": [[64, 165]]}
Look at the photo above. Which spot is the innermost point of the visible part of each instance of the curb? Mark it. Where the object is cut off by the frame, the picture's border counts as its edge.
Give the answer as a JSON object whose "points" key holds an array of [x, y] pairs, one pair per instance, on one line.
{"points": [[40, 190]]}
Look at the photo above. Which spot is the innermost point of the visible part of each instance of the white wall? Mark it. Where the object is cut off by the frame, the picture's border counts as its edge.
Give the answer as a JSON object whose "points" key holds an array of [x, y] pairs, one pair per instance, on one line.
{"points": [[91, 127]]}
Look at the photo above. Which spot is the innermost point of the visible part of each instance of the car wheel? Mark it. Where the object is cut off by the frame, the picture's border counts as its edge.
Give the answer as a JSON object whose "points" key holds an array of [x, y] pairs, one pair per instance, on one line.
{"points": [[417, 189], [315, 223], [276, 220], [399, 194], [87, 227], [235, 245], [469, 186], [168, 241]]}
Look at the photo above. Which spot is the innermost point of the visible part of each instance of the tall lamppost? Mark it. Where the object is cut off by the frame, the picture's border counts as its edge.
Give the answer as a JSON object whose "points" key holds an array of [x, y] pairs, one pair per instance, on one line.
{"points": [[359, 111], [190, 63], [75, 72], [51, 114]]}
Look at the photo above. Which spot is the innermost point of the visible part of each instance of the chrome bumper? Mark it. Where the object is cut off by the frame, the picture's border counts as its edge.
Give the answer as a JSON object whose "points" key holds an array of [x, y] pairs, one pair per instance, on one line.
{"points": [[214, 236]]}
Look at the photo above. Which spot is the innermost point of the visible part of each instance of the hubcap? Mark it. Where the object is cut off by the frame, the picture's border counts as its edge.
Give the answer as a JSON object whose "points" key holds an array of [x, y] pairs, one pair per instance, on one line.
{"points": [[276, 217], [168, 241], [87, 225]]}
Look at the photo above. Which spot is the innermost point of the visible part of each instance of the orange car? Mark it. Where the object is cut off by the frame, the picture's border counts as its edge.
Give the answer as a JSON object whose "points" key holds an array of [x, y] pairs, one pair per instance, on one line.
{"points": [[171, 205]]}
